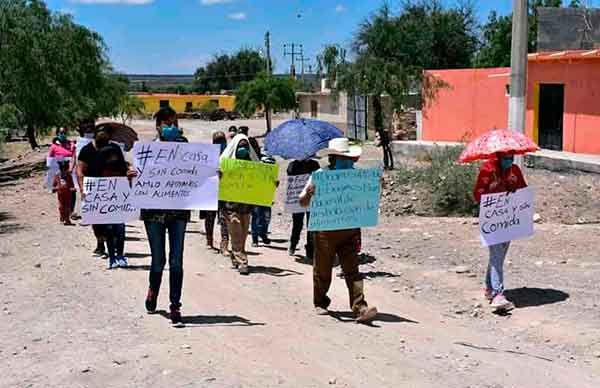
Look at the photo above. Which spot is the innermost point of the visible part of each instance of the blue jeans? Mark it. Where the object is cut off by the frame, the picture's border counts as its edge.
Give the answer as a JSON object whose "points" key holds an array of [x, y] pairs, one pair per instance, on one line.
{"points": [[115, 240], [261, 218], [157, 232], [494, 277]]}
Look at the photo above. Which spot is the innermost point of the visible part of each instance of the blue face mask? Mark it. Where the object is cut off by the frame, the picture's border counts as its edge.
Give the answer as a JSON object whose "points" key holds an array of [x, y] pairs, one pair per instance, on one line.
{"points": [[62, 138], [344, 164], [506, 162], [169, 133]]}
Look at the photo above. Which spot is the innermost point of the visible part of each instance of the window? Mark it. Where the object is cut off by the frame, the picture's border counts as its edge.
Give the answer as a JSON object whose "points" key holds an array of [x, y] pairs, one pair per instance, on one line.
{"points": [[164, 104], [214, 103], [507, 90], [189, 106]]}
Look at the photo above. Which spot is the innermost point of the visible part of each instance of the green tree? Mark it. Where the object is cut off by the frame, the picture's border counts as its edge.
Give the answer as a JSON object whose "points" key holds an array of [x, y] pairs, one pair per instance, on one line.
{"points": [[129, 107], [52, 70], [391, 52], [227, 72], [329, 62], [267, 94], [496, 42]]}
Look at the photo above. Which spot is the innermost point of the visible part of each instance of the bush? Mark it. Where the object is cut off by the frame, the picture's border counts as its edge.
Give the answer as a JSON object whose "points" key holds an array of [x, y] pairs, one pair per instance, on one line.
{"points": [[447, 185]]}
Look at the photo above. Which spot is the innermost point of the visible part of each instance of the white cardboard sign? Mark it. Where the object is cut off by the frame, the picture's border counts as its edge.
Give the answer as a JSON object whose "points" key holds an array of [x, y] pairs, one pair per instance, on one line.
{"points": [[295, 185], [107, 201], [176, 175], [506, 216]]}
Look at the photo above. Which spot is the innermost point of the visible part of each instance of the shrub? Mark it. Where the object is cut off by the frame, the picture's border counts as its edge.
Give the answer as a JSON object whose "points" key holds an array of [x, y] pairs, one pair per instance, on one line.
{"points": [[447, 185]]}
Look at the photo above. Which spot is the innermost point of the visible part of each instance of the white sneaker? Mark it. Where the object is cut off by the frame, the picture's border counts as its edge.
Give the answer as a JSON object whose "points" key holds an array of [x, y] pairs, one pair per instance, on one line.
{"points": [[500, 303], [122, 262]]}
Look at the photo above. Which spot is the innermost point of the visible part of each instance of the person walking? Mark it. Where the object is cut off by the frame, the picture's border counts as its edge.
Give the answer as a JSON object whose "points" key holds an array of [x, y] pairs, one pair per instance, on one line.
{"points": [[237, 215], [63, 148], [295, 168], [113, 164], [497, 176], [342, 243], [159, 224], [210, 217], [63, 186], [261, 217], [89, 164]]}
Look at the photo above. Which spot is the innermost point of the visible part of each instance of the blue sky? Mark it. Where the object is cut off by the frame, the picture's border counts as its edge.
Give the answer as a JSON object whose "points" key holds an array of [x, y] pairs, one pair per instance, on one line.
{"points": [[176, 36]]}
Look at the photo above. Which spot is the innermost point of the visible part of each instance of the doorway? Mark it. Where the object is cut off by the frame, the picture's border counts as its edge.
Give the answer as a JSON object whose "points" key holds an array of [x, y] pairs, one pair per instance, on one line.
{"points": [[550, 116], [314, 109]]}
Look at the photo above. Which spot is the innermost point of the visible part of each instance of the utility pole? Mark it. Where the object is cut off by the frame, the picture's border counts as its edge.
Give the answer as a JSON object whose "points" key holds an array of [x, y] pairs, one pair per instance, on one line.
{"points": [[518, 68], [268, 51], [269, 72], [289, 49]]}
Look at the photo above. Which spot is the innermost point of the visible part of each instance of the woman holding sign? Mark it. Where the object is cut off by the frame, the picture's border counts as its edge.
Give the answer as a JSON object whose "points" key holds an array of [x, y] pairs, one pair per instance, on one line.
{"points": [[343, 243], [237, 215], [497, 176], [159, 224]]}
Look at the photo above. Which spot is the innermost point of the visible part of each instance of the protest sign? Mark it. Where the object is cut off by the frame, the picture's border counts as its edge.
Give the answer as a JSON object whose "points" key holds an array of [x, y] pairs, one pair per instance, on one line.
{"points": [[176, 175], [345, 199], [252, 183], [505, 217], [107, 201], [295, 185]]}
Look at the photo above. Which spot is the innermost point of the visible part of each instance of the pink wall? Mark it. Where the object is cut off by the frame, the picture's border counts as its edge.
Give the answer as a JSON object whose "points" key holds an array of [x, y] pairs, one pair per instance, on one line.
{"points": [[474, 101], [581, 122]]}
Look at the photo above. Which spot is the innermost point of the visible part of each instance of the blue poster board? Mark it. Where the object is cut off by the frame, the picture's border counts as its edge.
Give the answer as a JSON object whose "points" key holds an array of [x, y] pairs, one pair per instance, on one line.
{"points": [[345, 199]]}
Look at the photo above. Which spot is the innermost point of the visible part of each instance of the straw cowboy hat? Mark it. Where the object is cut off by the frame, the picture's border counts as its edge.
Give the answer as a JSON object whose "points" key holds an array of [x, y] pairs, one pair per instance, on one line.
{"points": [[341, 146]]}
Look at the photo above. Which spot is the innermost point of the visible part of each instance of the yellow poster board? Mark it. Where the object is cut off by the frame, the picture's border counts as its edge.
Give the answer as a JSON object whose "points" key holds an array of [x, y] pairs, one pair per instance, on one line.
{"points": [[251, 183]]}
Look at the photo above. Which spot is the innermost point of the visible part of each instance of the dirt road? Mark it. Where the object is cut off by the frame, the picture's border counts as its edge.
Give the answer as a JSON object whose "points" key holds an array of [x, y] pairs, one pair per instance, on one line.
{"points": [[68, 322]]}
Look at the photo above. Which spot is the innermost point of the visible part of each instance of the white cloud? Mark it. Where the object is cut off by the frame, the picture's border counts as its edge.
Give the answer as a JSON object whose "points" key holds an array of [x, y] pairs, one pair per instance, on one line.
{"points": [[237, 16], [340, 8], [68, 11], [128, 2], [215, 2]]}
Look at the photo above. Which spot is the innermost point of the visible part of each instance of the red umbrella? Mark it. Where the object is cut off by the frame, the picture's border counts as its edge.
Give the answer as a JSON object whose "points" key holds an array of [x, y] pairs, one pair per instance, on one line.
{"points": [[490, 143]]}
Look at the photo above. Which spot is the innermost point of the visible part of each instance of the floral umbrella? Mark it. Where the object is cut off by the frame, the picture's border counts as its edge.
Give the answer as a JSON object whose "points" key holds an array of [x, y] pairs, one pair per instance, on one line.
{"points": [[490, 143]]}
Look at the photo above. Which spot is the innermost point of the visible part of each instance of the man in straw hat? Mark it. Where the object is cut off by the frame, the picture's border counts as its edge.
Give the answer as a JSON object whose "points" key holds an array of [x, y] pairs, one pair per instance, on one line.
{"points": [[343, 243]]}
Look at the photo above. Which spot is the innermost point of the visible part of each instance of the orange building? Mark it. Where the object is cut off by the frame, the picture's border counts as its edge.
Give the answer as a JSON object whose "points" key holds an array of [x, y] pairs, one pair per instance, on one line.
{"points": [[563, 102]]}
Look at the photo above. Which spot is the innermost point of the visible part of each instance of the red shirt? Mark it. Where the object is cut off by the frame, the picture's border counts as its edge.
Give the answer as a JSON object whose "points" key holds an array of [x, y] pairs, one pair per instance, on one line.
{"points": [[493, 180]]}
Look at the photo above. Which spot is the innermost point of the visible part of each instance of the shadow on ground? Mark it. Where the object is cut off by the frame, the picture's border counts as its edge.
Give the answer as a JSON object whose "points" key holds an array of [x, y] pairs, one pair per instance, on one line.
{"points": [[10, 227], [213, 320], [273, 271], [135, 255], [530, 297], [347, 316]]}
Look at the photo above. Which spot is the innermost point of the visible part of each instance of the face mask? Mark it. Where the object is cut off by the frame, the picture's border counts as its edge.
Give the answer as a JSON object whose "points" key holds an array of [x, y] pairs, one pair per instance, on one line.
{"points": [[242, 153], [169, 133], [62, 138], [89, 135], [344, 164], [506, 162]]}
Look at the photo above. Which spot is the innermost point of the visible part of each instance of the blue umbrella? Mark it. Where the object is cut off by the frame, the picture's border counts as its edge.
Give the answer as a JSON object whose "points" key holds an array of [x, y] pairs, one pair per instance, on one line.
{"points": [[300, 139]]}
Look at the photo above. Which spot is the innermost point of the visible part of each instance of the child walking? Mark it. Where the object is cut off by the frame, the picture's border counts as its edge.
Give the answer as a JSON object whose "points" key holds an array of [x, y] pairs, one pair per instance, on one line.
{"points": [[497, 176], [64, 187]]}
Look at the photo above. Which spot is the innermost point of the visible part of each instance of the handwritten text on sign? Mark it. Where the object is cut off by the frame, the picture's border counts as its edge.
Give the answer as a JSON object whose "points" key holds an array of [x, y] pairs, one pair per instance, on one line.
{"points": [[505, 217], [295, 185], [176, 175], [252, 183], [107, 201], [345, 199]]}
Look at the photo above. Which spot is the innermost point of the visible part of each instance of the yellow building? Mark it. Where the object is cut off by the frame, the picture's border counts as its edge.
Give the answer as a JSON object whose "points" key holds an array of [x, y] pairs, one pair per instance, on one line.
{"points": [[185, 102]]}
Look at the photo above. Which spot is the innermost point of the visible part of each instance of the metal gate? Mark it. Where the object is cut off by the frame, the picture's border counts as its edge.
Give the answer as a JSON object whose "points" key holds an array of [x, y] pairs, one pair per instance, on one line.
{"points": [[357, 118]]}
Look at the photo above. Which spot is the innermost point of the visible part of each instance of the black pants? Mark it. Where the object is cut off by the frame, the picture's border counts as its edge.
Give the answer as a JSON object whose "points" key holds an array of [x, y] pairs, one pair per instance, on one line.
{"points": [[115, 240], [297, 226]]}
